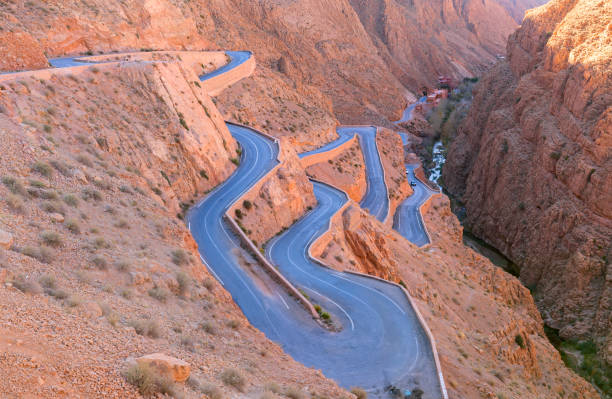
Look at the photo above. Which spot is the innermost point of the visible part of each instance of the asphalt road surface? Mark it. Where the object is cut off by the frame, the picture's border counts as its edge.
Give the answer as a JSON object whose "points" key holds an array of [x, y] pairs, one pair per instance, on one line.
{"points": [[407, 220], [375, 199], [407, 115], [380, 342], [236, 58]]}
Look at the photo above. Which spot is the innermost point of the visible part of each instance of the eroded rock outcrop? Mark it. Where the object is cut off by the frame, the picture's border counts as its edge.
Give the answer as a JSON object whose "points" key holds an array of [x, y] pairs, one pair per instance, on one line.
{"points": [[422, 39], [532, 163], [276, 201], [20, 51], [488, 330]]}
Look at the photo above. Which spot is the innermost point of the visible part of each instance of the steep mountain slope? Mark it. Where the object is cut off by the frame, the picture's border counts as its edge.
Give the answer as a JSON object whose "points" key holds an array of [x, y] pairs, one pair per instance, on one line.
{"points": [[421, 39], [533, 164], [356, 53], [98, 269]]}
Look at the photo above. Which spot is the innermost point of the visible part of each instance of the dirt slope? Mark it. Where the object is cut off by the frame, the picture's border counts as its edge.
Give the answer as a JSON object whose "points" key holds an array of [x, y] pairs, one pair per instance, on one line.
{"points": [[95, 167]]}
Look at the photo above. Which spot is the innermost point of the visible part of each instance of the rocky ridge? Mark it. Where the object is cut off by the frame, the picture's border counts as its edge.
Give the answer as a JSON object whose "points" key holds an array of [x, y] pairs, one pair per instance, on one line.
{"points": [[532, 164]]}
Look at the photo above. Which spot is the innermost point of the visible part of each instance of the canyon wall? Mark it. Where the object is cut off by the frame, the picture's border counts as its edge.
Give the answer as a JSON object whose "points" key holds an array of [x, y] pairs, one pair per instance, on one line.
{"points": [[532, 163], [422, 39], [364, 58]]}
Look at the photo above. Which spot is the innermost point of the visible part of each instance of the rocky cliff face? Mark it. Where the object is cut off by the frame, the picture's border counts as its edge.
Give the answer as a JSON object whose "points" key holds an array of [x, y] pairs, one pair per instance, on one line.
{"points": [[362, 56], [275, 202], [422, 39], [488, 330], [532, 163]]}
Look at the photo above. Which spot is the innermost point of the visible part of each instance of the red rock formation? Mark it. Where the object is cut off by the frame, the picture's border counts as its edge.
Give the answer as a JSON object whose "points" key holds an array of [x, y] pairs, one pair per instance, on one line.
{"points": [[533, 164], [422, 39], [20, 51]]}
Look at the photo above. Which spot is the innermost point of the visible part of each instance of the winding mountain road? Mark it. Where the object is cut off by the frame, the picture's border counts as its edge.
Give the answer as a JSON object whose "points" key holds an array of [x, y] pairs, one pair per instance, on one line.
{"points": [[375, 200], [407, 219], [381, 341]]}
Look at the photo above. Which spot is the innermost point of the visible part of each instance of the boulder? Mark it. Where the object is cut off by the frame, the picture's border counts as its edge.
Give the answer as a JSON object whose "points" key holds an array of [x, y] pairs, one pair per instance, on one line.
{"points": [[172, 367], [6, 239]]}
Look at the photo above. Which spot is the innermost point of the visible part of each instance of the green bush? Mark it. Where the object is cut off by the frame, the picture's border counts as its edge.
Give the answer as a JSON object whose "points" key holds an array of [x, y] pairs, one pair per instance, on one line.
{"points": [[519, 341]]}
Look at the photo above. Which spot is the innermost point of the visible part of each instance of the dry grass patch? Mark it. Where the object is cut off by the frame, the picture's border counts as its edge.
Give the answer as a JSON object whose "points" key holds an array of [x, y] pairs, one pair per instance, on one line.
{"points": [[26, 285], [148, 328], [148, 382], [42, 254], [51, 238], [234, 378]]}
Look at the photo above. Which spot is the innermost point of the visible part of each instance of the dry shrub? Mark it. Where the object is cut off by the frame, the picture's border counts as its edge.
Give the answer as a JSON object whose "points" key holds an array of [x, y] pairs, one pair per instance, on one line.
{"points": [[51, 238], [42, 254], [148, 382], [26, 285], [234, 378], [148, 328], [359, 392]]}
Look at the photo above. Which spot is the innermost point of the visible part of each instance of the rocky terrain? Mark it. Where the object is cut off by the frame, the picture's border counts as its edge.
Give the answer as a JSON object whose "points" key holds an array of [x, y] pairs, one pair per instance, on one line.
{"points": [[532, 164], [97, 168], [422, 39], [362, 58], [489, 332], [100, 164]]}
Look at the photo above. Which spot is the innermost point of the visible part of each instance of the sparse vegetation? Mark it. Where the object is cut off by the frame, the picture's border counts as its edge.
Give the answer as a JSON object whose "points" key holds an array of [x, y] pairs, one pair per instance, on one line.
{"points": [[234, 378], [209, 328], [247, 204], [179, 257], [148, 382], [91, 194], [14, 185], [359, 392], [295, 393], [15, 203], [184, 282], [42, 254], [84, 160], [61, 167], [148, 328], [99, 262], [52, 207], [43, 169], [233, 324], [26, 285], [100, 243], [51, 238], [158, 293], [73, 226], [71, 200]]}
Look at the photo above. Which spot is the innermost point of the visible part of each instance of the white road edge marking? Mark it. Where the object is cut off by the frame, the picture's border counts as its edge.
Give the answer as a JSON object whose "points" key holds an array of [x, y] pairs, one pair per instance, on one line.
{"points": [[282, 299], [212, 271], [339, 307]]}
